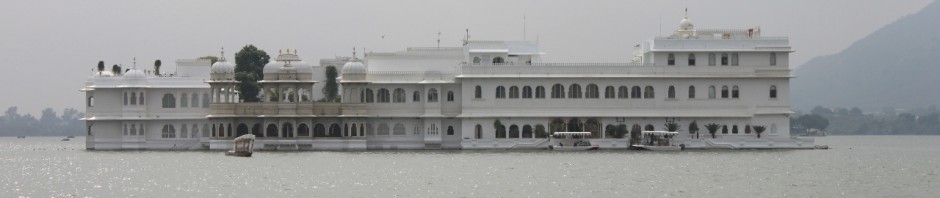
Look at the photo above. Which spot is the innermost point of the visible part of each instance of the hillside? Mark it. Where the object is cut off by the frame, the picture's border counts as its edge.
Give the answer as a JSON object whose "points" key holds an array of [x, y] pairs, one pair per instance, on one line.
{"points": [[896, 66]]}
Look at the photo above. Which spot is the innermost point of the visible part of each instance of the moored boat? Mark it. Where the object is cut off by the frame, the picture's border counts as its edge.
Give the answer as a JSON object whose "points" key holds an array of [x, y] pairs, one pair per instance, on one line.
{"points": [[657, 141], [243, 146], [571, 141]]}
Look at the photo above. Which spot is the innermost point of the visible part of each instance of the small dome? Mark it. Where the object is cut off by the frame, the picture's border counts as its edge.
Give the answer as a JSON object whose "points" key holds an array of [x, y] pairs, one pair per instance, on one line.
{"points": [[354, 67], [222, 67], [685, 24], [135, 73]]}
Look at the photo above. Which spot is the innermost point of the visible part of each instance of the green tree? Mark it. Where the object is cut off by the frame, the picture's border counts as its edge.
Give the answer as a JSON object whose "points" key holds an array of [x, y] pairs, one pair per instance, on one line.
{"points": [[331, 88], [621, 130], [500, 129], [693, 128], [712, 128], [212, 59], [116, 70], [100, 65], [759, 130], [540, 131], [672, 127], [156, 66], [249, 69]]}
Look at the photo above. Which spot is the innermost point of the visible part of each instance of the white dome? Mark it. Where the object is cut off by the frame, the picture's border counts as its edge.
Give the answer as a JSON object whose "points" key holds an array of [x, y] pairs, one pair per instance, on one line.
{"points": [[354, 67], [135, 73], [685, 24], [223, 66]]}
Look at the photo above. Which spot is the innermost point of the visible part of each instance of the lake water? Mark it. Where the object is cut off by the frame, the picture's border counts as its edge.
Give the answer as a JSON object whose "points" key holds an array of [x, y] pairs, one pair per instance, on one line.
{"points": [[857, 166]]}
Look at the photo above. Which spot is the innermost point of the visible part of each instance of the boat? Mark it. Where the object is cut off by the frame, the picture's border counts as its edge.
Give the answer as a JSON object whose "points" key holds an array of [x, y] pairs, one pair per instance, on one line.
{"points": [[65, 139], [243, 146], [571, 141], [658, 141], [21, 137], [71, 136]]}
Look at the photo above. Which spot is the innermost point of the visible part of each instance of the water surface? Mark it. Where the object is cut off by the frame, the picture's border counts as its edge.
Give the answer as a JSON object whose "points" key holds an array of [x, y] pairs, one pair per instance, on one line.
{"points": [[858, 166]]}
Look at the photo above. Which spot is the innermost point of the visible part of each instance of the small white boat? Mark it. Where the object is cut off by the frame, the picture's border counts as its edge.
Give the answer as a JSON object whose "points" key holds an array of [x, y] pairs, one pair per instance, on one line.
{"points": [[571, 141], [657, 141], [243, 146]]}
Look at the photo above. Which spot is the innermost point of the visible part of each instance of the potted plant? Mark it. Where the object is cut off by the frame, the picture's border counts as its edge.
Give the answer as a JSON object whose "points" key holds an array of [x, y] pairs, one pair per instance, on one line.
{"points": [[693, 128], [712, 128], [759, 130]]}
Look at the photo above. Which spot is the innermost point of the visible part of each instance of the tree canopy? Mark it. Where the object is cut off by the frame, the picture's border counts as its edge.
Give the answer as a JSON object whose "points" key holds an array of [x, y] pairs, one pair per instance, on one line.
{"points": [[249, 67], [331, 89]]}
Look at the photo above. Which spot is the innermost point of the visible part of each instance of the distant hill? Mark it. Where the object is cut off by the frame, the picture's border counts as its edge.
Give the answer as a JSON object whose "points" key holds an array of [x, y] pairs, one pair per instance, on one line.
{"points": [[897, 66]]}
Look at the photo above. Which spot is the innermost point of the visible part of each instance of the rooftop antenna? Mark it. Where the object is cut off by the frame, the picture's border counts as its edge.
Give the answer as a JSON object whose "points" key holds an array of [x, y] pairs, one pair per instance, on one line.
{"points": [[660, 26], [438, 40], [135, 62], [523, 27], [466, 38], [354, 53]]}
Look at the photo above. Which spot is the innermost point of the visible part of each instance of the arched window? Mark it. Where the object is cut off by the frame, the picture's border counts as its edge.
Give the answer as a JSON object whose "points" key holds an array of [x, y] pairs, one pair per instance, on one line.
{"points": [[734, 129], [635, 92], [724, 59], [477, 60], [370, 97], [319, 130], [691, 59], [169, 131], [592, 91], [527, 131], [125, 99], [184, 132], [432, 95], [724, 129], [734, 92], [169, 101], [649, 127], [773, 92], [513, 92], [399, 95], [773, 59], [194, 133], [141, 98], [711, 92], [724, 91], [671, 60], [271, 131], [478, 132], [500, 92], [416, 96], [711, 59], [498, 60], [194, 100], [610, 92], [450, 130], [184, 100], [648, 93], [477, 92], [539, 92], [287, 130], [450, 96], [558, 91], [623, 92], [205, 100], [574, 91], [671, 92], [303, 130], [734, 59], [691, 92], [133, 98], [399, 129], [384, 96], [513, 131], [527, 92]]}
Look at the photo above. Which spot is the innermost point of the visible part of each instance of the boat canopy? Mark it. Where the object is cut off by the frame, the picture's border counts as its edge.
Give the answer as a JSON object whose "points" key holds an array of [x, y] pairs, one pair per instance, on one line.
{"points": [[246, 137], [571, 133], [659, 132]]}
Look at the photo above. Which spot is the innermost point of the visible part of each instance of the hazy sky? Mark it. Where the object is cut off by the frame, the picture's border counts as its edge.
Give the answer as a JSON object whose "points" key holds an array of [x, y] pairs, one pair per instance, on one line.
{"points": [[48, 48]]}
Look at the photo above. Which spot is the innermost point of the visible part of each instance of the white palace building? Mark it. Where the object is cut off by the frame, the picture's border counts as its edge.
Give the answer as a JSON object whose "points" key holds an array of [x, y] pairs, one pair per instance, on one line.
{"points": [[453, 97]]}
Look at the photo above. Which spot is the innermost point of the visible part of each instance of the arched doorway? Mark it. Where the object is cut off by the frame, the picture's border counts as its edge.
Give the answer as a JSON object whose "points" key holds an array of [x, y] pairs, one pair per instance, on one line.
{"points": [[527, 131], [303, 130], [242, 129], [256, 130], [513, 131], [335, 130], [287, 130], [319, 130], [574, 125], [271, 131]]}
